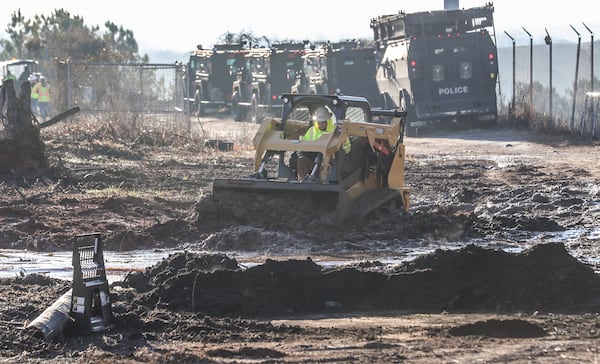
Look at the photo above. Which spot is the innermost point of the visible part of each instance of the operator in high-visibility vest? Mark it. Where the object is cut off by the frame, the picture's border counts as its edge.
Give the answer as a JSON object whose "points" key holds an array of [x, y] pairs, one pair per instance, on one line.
{"points": [[323, 125], [43, 90]]}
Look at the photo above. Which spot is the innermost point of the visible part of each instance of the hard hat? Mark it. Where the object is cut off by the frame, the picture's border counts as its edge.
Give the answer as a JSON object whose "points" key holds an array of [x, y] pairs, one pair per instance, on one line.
{"points": [[322, 114]]}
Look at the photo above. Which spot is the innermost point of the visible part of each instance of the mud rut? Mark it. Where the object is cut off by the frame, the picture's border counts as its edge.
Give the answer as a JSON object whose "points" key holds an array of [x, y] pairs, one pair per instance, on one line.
{"points": [[475, 205]]}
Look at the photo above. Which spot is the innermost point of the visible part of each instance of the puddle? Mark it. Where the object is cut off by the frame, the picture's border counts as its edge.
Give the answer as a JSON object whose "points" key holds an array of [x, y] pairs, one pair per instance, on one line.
{"points": [[580, 243], [59, 264], [118, 264]]}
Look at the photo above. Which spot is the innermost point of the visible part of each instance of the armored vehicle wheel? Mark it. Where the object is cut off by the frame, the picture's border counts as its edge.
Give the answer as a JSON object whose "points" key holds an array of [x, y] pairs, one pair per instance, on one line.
{"points": [[253, 112], [198, 100], [236, 111], [411, 131]]}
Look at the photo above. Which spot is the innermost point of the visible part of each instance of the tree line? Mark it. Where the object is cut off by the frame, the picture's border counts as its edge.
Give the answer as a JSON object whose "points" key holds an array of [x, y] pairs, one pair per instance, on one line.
{"points": [[62, 35]]}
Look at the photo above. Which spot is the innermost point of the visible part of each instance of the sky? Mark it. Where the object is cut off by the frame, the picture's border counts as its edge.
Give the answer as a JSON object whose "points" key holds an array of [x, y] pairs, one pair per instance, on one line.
{"points": [[182, 25]]}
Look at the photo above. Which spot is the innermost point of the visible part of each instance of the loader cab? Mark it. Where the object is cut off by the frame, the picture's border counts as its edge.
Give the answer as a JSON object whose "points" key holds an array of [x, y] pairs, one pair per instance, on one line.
{"points": [[298, 116], [301, 118], [302, 106], [298, 111], [19, 70]]}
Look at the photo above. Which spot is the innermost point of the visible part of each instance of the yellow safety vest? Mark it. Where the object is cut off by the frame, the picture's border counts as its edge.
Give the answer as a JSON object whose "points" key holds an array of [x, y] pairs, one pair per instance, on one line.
{"points": [[43, 93], [34, 92], [315, 133]]}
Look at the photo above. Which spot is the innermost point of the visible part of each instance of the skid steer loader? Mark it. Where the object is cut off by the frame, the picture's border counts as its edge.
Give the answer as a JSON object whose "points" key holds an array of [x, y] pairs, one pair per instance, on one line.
{"points": [[360, 180]]}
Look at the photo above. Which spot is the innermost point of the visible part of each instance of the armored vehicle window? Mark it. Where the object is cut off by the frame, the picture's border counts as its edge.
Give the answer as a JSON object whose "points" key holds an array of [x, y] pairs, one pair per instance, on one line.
{"points": [[230, 61], [258, 65]]}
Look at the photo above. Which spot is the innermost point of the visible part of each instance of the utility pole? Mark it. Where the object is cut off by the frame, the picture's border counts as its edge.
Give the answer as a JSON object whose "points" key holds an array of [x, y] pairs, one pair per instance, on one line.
{"points": [[530, 77]]}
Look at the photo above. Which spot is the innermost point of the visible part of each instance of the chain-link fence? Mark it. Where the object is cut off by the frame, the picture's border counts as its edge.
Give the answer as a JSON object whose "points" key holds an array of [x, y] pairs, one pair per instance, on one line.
{"points": [[552, 85], [590, 120], [136, 95]]}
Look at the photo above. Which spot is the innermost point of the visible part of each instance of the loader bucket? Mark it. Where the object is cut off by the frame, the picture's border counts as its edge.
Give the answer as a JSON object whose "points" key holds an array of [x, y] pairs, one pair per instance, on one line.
{"points": [[331, 198], [324, 193], [287, 203], [250, 184]]}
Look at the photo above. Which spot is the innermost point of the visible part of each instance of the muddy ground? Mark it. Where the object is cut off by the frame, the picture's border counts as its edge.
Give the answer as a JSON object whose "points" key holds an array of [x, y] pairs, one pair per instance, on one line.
{"points": [[508, 218]]}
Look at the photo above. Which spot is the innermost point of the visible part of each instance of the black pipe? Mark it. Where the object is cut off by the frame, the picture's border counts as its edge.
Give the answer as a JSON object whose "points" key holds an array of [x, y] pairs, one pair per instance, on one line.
{"points": [[54, 318]]}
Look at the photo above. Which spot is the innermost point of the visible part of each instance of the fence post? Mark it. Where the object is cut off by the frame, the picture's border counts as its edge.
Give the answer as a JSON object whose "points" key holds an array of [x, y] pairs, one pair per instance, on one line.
{"points": [[548, 41], [69, 90], [531, 109], [591, 57], [512, 103], [595, 107]]}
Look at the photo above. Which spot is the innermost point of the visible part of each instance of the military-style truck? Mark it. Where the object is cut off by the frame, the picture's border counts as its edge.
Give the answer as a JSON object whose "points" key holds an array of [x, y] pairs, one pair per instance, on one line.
{"points": [[267, 73], [351, 68], [440, 66], [211, 73], [312, 78], [346, 67]]}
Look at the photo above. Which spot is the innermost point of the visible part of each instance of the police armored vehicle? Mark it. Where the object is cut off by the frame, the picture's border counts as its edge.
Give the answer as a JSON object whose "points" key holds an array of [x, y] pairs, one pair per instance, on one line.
{"points": [[441, 66]]}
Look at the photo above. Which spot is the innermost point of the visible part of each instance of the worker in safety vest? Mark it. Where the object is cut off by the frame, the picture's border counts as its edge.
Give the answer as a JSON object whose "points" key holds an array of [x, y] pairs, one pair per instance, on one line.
{"points": [[323, 124], [34, 95], [43, 91]]}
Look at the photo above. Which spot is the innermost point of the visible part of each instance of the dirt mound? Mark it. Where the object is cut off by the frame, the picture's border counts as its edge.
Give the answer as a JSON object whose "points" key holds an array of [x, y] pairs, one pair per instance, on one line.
{"points": [[544, 278], [499, 328]]}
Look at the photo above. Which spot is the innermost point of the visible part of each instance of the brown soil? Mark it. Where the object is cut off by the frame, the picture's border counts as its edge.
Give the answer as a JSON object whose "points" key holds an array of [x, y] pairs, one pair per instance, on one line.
{"points": [[503, 284]]}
